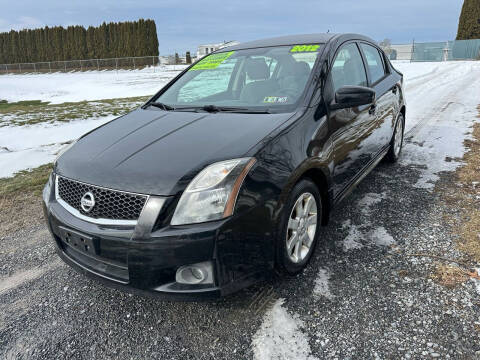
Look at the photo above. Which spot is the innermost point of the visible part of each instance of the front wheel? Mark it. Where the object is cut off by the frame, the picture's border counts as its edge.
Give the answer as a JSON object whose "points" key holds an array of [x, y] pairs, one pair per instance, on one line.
{"points": [[298, 231], [396, 143]]}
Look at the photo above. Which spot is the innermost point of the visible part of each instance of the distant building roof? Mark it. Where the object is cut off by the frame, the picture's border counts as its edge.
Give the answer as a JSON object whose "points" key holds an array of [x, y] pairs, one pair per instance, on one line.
{"points": [[205, 49]]}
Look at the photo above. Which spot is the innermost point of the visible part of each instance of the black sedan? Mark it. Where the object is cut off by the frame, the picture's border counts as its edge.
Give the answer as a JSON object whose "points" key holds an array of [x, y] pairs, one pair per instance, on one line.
{"points": [[230, 169]]}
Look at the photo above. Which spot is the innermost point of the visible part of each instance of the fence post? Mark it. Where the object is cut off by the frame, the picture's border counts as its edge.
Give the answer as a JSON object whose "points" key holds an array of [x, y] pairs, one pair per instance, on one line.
{"points": [[133, 63], [65, 66], [20, 67], [81, 66], [413, 50], [116, 65], [98, 66], [34, 68], [153, 63], [6, 68], [49, 67]]}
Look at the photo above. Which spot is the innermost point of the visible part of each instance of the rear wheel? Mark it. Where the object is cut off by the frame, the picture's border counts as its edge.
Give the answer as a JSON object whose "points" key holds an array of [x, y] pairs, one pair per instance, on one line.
{"points": [[396, 143], [298, 231]]}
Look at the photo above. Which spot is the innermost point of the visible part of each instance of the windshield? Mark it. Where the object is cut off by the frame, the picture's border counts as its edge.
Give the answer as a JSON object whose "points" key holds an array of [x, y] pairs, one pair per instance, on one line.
{"points": [[270, 79]]}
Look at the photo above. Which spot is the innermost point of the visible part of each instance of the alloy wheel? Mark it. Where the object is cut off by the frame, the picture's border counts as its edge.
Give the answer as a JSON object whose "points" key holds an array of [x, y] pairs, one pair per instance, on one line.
{"points": [[302, 226], [397, 145]]}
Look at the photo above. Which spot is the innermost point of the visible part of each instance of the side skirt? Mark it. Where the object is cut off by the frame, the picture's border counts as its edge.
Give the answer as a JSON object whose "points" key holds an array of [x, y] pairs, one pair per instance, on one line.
{"points": [[361, 175]]}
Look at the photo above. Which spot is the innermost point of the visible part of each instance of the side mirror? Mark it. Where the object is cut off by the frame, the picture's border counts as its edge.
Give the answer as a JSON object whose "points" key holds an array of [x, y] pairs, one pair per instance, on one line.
{"points": [[351, 96]]}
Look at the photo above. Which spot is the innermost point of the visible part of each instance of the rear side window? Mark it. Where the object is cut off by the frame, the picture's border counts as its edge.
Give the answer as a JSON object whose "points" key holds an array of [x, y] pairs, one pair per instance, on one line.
{"points": [[348, 68], [374, 62]]}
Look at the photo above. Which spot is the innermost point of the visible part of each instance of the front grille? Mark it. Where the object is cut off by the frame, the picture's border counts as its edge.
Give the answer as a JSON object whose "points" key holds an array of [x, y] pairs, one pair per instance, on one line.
{"points": [[109, 204]]}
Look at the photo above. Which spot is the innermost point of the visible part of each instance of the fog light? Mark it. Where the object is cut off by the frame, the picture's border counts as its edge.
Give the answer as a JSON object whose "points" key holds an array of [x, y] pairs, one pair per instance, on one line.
{"points": [[201, 273]]}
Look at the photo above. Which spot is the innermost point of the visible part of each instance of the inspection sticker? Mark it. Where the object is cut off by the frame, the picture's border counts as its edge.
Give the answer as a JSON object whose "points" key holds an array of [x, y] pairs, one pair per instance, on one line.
{"points": [[212, 61], [304, 48], [275, 99]]}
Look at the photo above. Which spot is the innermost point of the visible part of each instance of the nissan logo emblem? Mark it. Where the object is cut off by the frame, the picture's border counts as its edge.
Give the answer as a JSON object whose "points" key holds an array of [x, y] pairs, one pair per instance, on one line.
{"points": [[87, 202]]}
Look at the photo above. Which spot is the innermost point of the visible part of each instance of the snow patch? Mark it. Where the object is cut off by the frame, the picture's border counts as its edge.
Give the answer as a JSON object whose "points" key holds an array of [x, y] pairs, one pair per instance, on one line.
{"points": [[358, 235], [30, 146], [322, 287], [381, 237], [354, 237], [280, 336], [477, 282], [89, 85], [369, 200]]}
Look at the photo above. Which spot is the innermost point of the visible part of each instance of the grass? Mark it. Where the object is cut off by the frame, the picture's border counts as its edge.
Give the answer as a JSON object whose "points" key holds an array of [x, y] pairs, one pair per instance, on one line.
{"points": [[461, 192], [26, 181], [20, 199], [464, 195], [5, 106], [449, 275], [35, 111], [469, 176]]}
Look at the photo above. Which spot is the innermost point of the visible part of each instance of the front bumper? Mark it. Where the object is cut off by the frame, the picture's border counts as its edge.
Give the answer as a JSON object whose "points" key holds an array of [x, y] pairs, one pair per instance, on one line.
{"points": [[138, 257]]}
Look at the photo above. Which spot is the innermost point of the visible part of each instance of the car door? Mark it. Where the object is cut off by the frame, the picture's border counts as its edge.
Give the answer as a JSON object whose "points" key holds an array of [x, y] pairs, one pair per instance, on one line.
{"points": [[349, 127], [385, 89]]}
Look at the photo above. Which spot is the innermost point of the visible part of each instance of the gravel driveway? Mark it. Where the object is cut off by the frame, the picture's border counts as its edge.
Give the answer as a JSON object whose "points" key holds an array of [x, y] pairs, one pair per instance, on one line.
{"points": [[369, 291]]}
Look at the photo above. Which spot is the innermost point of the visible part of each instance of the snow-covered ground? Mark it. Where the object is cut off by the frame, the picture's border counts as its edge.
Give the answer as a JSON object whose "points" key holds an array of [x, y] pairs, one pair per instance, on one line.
{"points": [[441, 102], [24, 147], [58, 88]]}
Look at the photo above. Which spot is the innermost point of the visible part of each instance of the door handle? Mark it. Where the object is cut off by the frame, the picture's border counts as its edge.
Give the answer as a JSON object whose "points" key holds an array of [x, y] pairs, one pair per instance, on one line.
{"points": [[372, 109], [394, 89]]}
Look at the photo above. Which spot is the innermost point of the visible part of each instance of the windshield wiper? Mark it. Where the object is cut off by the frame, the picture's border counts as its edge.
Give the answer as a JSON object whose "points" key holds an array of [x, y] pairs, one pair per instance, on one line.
{"points": [[162, 106], [248, 111], [214, 109]]}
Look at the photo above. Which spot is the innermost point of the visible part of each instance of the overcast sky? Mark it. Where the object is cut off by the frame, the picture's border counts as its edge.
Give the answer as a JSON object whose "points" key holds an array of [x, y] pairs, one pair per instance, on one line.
{"points": [[183, 24]]}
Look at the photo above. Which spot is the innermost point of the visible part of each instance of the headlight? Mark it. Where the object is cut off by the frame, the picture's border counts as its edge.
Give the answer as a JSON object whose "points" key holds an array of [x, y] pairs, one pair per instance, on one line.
{"points": [[64, 149], [211, 195]]}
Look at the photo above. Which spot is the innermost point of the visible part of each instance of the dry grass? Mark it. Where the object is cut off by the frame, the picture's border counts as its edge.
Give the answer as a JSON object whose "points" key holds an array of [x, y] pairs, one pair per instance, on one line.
{"points": [[35, 111], [462, 195], [449, 275], [469, 197], [20, 199], [21, 211]]}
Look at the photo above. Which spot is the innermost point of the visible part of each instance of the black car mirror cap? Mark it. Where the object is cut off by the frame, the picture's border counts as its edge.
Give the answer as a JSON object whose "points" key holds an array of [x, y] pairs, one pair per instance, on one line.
{"points": [[351, 96]]}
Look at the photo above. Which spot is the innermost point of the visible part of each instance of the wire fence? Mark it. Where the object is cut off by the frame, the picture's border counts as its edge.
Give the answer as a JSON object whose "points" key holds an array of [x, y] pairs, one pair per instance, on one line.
{"points": [[125, 63], [430, 51], [435, 51]]}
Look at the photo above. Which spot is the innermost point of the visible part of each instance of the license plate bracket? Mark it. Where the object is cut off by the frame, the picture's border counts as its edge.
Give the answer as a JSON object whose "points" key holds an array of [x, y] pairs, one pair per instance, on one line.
{"points": [[78, 241]]}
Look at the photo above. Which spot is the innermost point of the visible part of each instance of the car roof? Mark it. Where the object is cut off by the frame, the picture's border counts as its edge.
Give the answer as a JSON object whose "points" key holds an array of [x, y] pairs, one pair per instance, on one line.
{"points": [[296, 39]]}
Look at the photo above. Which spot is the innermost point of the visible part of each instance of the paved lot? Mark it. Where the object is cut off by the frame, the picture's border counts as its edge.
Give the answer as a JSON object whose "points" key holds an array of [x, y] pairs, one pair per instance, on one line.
{"points": [[365, 294]]}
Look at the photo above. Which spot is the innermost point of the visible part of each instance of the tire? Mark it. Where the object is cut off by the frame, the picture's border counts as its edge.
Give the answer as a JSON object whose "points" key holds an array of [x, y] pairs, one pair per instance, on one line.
{"points": [[396, 144], [291, 262]]}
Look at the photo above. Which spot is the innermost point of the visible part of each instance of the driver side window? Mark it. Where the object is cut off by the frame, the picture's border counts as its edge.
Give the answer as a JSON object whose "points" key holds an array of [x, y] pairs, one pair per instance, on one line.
{"points": [[348, 68]]}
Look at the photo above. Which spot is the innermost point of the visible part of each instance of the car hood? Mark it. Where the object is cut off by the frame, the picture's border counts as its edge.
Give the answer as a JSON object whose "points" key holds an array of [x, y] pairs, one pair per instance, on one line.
{"points": [[157, 152]]}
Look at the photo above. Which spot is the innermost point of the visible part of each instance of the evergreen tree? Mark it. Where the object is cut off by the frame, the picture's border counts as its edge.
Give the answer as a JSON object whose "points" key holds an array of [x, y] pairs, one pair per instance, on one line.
{"points": [[469, 23], [188, 58], [138, 38]]}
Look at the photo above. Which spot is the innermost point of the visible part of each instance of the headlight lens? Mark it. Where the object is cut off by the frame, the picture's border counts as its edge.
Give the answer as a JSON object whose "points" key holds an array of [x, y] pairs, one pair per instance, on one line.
{"points": [[211, 195]]}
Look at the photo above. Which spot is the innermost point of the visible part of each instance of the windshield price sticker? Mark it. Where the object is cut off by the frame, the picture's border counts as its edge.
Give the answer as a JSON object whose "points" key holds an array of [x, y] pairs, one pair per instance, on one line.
{"points": [[212, 61], [275, 99], [304, 48]]}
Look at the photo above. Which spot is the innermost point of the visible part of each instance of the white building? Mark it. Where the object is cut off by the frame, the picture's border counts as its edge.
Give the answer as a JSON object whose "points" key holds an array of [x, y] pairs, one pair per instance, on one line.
{"points": [[208, 48], [403, 52]]}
